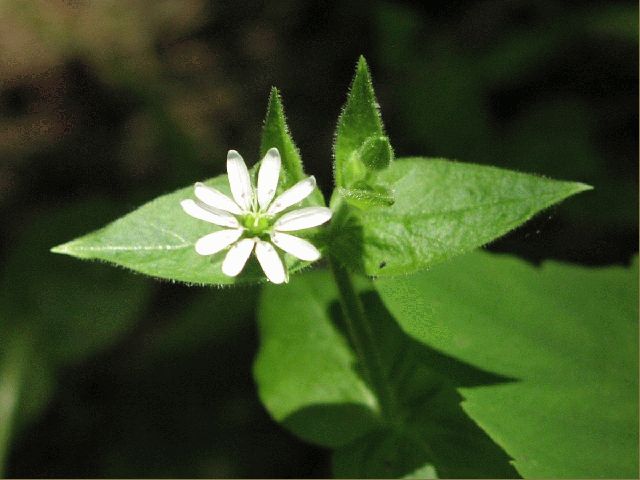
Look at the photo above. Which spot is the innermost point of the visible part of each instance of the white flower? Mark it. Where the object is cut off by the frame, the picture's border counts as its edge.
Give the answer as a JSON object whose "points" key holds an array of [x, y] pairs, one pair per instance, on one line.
{"points": [[253, 220]]}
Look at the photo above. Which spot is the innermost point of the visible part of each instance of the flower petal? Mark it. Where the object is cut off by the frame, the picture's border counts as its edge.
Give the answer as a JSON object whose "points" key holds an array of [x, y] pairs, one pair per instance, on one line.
{"points": [[303, 218], [216, 241], [216, 199], [295, 246], [268, 177], [237, 257], [295, 194], [209, 214], [239, 180], [270, 262]]}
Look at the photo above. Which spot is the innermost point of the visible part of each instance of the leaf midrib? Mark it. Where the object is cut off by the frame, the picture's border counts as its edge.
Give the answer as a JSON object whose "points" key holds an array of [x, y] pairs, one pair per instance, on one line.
{"points": [[422, 215]]}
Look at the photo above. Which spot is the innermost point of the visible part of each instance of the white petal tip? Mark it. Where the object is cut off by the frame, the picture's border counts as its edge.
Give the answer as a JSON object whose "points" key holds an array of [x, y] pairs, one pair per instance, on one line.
{"points": [[303, 218], [217, 241], [237, 257], [270, 262], [295, 246]]}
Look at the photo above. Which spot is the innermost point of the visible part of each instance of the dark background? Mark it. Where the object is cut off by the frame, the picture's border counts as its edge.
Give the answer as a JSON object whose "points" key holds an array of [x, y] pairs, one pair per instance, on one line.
{"points": [[107, 104]]}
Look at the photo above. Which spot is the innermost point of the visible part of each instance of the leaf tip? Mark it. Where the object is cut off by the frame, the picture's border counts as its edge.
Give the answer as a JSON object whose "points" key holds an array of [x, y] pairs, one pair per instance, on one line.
{"points": [[362, 70], [582, 187], [577, 187], [274, 95], [274, 104], [62, 249]]}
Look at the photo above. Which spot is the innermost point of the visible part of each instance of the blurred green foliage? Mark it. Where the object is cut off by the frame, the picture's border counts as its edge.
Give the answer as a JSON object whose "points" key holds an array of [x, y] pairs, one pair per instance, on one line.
{"points": [[106, 104]]}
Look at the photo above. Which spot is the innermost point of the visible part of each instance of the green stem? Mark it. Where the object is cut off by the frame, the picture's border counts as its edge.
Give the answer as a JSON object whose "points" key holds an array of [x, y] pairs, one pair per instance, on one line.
{"points": [[12, 371], [363, 340]]}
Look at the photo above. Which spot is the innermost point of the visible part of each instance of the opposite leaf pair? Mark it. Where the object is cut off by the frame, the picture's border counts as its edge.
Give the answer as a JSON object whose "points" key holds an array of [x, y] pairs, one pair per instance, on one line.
{"points": [[389, 217]]}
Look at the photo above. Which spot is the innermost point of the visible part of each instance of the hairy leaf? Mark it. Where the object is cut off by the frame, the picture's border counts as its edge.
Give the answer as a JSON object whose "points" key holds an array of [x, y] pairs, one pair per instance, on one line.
{"points": [[310, 380], [365, 196], [567, 334], [158, 240], [375, 153], [275, 133], [359, 121], [442, 209]]}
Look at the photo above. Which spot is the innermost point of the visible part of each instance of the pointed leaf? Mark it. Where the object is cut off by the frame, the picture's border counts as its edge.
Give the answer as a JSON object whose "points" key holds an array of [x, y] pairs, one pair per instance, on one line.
{"points": [[275, 134], [442, 209], [158, 239], [359, 120], [568, 335]]}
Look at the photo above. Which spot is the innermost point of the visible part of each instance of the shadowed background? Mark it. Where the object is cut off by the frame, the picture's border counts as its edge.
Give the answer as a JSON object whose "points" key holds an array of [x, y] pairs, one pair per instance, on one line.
{"points": [[106, 104]]}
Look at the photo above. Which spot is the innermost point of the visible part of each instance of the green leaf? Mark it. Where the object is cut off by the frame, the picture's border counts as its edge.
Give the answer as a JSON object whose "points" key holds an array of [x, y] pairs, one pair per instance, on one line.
{"points": [[360, 122], [442, 209], [568, 335], [158, 239], [365, 196], [275, 133], [375, 153], [310, 381]]}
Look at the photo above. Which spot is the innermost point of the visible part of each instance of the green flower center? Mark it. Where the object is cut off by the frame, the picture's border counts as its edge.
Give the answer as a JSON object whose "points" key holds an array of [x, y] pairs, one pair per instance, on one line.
{"points": [[256, 224]]}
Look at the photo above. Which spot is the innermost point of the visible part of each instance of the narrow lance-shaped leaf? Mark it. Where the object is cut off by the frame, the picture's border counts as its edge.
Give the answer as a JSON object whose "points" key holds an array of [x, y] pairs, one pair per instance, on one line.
{"points": [[275, 133], [568, 337], [359, 121], [442, 209]]}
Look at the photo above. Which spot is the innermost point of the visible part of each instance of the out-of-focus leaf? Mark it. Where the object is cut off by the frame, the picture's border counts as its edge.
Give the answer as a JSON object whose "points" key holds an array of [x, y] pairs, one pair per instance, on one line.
{"points": [[310, 381], [567, 334], [617, 21], [442, 209], [55, 313], [73, 310], [359, 133], [210, 318]]}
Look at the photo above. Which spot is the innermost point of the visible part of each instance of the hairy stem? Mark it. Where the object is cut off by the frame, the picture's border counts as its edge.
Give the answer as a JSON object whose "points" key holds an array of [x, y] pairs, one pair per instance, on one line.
{"points": [[363, 340]]}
